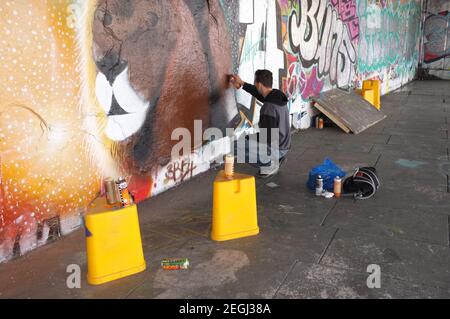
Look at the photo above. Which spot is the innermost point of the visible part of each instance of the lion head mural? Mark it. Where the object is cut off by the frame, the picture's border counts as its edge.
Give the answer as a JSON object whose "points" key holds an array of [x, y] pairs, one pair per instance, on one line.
{"points": [[151, 67]]}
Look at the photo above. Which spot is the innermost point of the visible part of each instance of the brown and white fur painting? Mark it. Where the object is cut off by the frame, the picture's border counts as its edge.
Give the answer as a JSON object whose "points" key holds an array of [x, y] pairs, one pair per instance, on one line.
{"points": [[151, 67]]}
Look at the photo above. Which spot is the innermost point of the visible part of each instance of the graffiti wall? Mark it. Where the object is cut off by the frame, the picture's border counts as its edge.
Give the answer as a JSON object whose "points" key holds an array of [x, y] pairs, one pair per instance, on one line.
{"points": [[436, 39], [96, 88], [312, 46]]}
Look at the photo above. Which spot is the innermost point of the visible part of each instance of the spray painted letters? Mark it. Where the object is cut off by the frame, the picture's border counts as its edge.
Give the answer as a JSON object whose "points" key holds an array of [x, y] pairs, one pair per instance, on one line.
{"points": [[320, 37]]}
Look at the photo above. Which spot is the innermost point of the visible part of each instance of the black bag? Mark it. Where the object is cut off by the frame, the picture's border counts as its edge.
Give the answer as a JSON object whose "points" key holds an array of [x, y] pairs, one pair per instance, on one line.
{"points": [[362, 184]]}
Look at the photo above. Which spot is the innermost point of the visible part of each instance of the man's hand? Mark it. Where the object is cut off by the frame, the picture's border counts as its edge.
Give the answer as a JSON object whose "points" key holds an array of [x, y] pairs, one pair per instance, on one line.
{"points": [[236, 81]]}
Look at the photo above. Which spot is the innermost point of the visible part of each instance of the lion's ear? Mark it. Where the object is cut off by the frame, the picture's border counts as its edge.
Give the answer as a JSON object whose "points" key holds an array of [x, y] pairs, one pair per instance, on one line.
{"points": [[153, 19]]}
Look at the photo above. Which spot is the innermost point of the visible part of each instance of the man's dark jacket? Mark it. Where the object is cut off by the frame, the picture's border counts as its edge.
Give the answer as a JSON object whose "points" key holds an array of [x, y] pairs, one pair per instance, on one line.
{"points": [[274, 114]]}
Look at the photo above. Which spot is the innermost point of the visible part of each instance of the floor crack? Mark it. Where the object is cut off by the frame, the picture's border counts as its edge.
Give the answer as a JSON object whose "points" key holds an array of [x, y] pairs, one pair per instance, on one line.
{"points": [[378, 159], [448, 232], [329, 212], [285, 277], [389, 139], [328, 245]]}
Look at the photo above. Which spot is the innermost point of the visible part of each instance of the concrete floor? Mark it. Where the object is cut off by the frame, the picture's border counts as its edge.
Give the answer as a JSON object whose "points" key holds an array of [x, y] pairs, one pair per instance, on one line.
{"points": [[308, 247]]}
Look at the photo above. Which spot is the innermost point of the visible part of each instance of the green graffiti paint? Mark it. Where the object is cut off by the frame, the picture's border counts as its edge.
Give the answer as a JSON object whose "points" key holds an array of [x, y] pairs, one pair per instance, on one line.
{"points": [[388, 36]]}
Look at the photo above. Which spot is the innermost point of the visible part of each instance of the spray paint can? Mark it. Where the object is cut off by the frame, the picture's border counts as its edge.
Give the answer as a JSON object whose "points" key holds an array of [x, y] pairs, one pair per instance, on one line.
{"points": [[319, 185], [124, 194], [319, 122], [175, 264], [110, 190], [337, 186], [229, 166]]}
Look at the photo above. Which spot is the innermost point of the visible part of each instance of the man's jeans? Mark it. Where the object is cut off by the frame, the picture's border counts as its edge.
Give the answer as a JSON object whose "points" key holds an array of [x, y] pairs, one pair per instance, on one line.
{"points": [[248, 150]]}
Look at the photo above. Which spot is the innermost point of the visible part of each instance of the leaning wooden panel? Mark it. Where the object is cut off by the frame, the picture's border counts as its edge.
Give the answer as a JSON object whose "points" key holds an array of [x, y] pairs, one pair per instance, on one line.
{"points": [[348, 110]]}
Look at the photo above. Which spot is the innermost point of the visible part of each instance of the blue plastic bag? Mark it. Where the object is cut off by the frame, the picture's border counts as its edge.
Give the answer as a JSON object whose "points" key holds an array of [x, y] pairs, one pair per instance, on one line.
{"points": [[328, 170]]}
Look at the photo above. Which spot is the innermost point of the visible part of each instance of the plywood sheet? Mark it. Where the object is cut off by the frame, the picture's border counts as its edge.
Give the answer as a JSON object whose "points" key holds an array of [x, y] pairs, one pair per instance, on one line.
{"points": [[348, 110]]}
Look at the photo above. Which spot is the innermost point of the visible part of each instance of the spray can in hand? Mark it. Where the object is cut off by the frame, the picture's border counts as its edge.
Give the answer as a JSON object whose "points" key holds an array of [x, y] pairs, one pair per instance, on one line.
{"points": [[319, 185]]}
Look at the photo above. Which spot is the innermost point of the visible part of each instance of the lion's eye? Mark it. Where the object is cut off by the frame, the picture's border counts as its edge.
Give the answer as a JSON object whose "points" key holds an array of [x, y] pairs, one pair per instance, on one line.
{"points": [[104, 17], [152, 19], [107, 19]]}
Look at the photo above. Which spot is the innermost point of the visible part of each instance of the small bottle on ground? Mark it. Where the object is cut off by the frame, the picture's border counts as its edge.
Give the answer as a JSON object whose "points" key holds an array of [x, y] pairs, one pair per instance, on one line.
{"points": [[175, 264], [319, 185], [337, 186]]}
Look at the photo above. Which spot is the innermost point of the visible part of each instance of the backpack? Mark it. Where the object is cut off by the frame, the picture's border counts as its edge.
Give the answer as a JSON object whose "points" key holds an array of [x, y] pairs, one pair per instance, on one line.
{"points": [[362, 184]]}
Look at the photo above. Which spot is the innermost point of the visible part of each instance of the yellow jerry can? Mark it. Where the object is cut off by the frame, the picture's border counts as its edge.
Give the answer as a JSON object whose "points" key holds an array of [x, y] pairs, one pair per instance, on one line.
{"points": [[234, 207], [113, 242]]}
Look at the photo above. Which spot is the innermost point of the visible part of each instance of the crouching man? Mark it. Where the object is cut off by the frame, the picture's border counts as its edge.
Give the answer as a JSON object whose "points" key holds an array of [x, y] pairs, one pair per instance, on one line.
{"points": [[269, 153]]}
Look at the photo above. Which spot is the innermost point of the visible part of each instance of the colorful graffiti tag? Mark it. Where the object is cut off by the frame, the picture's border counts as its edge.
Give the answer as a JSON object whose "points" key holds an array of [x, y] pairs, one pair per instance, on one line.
{"points": [[436, 40], [388, 45], [93, 89], [324, 40], [437, 37]]}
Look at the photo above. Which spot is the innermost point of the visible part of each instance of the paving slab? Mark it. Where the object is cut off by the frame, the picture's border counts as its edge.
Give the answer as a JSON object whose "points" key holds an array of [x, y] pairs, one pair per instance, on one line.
{"points": [[424, 224], [411, 261], [410, 196], [412, 151], [393, 168], [436, 116], [323, 282], [279, 207], [407, 139], [427, 100], [332, 136], [412, 131], [341, 146], [421, 125], [408, 182]]}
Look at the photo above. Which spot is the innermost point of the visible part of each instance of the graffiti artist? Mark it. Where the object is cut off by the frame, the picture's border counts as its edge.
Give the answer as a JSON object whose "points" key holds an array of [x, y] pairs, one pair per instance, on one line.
{"points": [[274, 116]]}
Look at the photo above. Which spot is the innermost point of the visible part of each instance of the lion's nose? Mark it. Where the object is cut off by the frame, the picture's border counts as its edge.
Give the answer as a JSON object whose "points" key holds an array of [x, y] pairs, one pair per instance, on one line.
{"points": [[111, 65]]}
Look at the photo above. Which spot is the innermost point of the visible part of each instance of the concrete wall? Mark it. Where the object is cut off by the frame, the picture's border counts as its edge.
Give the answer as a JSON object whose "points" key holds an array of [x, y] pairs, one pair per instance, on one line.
{"points": [[436, 39], [92, 89]]}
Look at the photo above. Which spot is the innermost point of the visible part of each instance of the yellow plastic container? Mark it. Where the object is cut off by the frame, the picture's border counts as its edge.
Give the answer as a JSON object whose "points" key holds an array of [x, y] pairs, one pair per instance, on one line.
{"points": [[234, 207], [113, 242], [371, 92]]}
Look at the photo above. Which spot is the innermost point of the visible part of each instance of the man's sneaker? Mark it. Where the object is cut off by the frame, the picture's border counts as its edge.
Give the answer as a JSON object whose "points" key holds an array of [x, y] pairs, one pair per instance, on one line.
{"points": [[267, 171], [283, 160]]}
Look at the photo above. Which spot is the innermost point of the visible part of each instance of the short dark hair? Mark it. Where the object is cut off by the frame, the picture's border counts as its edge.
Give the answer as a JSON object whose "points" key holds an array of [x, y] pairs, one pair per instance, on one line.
{"points": [[264, 77]]}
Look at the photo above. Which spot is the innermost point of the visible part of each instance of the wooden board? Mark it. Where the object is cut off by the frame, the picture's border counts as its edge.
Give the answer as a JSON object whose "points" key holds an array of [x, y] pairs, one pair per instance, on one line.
{"points": [[348, 110]]}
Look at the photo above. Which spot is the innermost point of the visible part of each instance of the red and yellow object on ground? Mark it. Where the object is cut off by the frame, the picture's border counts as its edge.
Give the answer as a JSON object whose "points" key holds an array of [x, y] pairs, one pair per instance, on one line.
{"points": [[234, 207], [113, 242], [371, 92]]}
